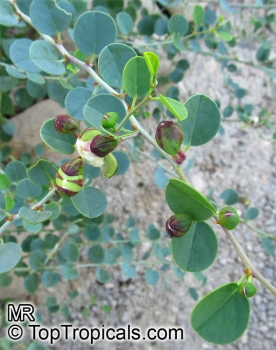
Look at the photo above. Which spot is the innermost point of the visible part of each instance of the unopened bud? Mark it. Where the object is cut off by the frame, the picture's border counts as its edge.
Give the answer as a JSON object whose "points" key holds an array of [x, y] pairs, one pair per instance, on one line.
{"points": [[102, 145], [69, 178], [169, 137], [66, 124], [247, 289], [178, 224], [228, 218], [109, 120]]}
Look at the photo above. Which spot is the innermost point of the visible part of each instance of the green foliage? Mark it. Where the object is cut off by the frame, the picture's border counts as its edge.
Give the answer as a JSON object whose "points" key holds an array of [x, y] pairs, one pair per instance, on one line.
{"points": [[116, 73]]}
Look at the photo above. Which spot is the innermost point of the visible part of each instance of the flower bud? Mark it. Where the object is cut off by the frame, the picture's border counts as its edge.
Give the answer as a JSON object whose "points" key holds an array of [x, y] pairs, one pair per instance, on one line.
{"points": [[247, 289], [66, 124], [228, 218], [89, 133], [169, 137], [178, 224], [111, 166], [83, 147], [102, 145], [69, 178], [109, 120]]}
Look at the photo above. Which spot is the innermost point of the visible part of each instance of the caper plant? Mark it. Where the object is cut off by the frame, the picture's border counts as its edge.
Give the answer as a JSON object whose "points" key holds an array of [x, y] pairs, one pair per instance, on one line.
{"points": [[120, 81]]}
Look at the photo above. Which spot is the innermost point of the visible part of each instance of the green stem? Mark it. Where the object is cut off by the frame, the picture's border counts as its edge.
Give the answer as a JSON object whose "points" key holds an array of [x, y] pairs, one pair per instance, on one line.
{"points": [[39, 204], [253, 228], [246, 261], [133, 110]]}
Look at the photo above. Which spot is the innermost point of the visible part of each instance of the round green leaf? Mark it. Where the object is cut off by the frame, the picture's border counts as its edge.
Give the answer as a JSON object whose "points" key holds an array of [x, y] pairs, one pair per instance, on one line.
{"points": [[183, 64], [175, 107], [24, 6], [32, 228], [152, 61], [221, 316], [36, 259], [197, 249], [32, 216], [224, 35], [10, 254], [7, 106], [62, 143], [127, 270], [31, 283], [263, 53], [19, 53], [46, 58], [161, 26], [161, 179], [7, 16], [70, 252], [229, 196], [268, 245], [56, 92], [228, 111], [36, 78], [4, 182], [183, 198], [54, 20], [23, 99], [54, 208], [96, 254], [112, 61], [69, 272], [11, 70], [93, 31], [75, 101], [102, 275], [26, 188], [203, 121], [151, 276], [178, 24], [97, 106], [7, 83], [124, 22], [136, 77], [42, 173], [92, 232], [16, 171], [232, 68], [176, 75], [146, 25], [198, 15], [90, 202], [251, 213], [36, 90], [123, 162]]}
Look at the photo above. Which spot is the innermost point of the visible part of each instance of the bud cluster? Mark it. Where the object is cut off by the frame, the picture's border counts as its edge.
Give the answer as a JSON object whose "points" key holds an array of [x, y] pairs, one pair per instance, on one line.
{"points": [[94, 149]]}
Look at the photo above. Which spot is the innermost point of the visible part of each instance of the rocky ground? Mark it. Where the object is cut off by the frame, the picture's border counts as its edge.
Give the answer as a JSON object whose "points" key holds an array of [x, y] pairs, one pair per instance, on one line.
{"points": [[239, 159]]}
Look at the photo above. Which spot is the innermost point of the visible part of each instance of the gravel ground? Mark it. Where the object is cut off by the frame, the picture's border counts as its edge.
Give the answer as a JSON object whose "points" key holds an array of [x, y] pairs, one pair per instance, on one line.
{"points": [[239, 159]]}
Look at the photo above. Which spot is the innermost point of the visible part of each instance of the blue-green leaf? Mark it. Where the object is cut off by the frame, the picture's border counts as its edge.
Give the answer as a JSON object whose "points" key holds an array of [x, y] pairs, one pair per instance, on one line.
{"points": [[7, 17], [124, 22], [112, 61], [10, 254], [19, 53], [178, 24], [75, 101], [90, 202], [93, 31], [48, 18], [46, 58]]}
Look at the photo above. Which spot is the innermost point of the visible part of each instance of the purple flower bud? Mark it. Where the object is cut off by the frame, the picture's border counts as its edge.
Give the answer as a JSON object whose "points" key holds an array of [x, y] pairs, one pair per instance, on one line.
{"points": [[69, 178], [169, 137], [66, 124], [102, 145], [178, 224]]}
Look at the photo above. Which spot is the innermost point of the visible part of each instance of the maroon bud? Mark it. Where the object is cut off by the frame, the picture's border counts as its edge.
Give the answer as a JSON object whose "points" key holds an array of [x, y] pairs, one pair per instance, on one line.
{"points": [[169, 137], [69, 178], [66, 124], [178, 224], [102, 145]]}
